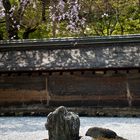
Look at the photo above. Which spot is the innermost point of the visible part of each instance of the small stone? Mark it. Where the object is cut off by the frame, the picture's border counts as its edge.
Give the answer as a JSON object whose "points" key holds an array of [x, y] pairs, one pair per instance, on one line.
{"points": [[97, 132]]}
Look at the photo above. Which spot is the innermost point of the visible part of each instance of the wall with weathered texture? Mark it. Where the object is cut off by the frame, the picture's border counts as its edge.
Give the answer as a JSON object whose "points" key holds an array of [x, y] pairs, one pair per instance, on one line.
{"points": [[76, 90], [81, 72], [22, 90], [89, 57], [92, 53], [98, 90]]}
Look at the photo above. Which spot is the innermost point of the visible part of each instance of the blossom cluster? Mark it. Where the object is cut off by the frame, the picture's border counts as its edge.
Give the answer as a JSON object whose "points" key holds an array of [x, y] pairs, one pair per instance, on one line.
{"points": [[69, 11]]}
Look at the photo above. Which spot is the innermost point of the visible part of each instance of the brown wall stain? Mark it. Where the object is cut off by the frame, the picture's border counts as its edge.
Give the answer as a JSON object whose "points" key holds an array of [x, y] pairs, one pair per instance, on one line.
{"points": [[87, 89], [12, 95]]}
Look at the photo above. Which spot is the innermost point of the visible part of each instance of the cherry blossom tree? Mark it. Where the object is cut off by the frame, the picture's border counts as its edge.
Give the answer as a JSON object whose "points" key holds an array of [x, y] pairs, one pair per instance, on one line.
{"points": [[59, 10], [59, 18]]}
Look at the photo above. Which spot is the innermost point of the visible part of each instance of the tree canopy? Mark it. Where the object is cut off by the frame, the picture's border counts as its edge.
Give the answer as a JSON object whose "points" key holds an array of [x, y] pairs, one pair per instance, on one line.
{"points": [[23, 19]]}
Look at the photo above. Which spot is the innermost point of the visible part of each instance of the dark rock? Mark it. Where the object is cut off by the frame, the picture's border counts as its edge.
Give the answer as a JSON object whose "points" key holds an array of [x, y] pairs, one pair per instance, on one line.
{"points": [[63, 125], [97, 132]]}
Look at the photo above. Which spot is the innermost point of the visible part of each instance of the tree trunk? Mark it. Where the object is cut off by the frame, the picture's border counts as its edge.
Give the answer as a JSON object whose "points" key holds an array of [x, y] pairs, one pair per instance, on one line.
{"points": [[44, 2], [27, 32], [11, 24]]}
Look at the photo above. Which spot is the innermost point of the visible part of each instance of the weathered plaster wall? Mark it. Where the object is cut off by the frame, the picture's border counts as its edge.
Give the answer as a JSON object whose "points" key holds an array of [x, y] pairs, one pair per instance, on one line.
{"points": [[104, 56], [71, 72], [98, 90], [22, 89]]}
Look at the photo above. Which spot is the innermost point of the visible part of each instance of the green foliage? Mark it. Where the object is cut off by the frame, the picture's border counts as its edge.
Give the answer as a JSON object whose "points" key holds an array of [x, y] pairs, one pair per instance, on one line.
{"points": [[103, 17], [43, 31], [14, 1], [2, 31]]}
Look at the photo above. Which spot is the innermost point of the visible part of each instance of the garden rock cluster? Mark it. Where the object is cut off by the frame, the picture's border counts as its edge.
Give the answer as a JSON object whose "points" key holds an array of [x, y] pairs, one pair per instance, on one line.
{"points": [[64, 125]]}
